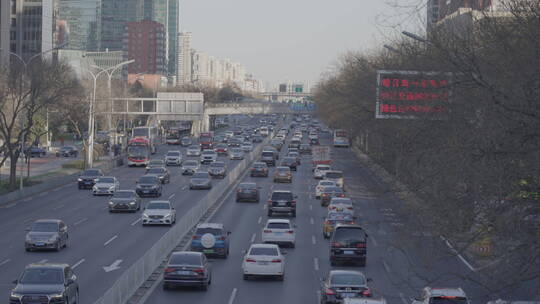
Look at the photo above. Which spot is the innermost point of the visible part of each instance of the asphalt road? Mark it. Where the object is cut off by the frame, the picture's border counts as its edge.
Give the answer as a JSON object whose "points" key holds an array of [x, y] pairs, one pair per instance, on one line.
{"points": [[97, 238], [401, 261]]}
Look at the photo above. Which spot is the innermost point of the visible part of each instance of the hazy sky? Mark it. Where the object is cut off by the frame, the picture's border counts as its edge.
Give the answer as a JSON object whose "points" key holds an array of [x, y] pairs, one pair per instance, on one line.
{"points": [[278, 40]]}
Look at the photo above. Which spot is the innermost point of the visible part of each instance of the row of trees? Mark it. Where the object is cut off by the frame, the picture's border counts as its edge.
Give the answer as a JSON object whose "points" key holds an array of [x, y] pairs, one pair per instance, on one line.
{"points": [[477, 168]]}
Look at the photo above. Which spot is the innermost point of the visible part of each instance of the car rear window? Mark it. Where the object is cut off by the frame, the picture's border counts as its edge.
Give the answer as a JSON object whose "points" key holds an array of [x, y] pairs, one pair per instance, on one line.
{"points": [[156, 170], [248, 186], [263, 251], [268, 154], [200, 175], [448, 300], [347, 234], [173, 153], [148, 180], [334, 175], [333, 189], [278, 226], [217, 164], [185, 259], [348, 279], [283, 169], [213, 231], [282, 196], [259, 165]]}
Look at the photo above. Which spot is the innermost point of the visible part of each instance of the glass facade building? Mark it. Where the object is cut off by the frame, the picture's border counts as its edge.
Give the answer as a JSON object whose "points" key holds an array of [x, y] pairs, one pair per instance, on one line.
{"points": [[83, 23]]}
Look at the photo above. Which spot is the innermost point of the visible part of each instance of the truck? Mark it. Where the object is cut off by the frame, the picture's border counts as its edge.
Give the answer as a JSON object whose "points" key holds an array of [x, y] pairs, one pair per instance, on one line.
{"points": [[321, 155]]}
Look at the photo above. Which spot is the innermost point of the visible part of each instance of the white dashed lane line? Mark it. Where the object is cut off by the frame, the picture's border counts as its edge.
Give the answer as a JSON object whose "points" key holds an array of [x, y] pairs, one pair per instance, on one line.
{"points": [[253, 237], [311, 221], [136, 221], [5, 262], [260, 219], [110, 240], [78, 263], [233, 296], [80, 221], [313, 240], [316, 264]]}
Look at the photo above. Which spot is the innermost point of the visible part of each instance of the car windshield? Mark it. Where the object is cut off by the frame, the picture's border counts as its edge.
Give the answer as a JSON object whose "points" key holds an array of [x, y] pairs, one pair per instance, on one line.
{"points": [[91, 173], [213, 231], [156, 171], [68, 148], [327, 183], [323, 168], [282, 196], [348, 234], [278, 226], [448, 300], [185, 259], [45, 276], [208, 152], [147, 180], [348, 279], [217, 165], [329, 189], [248, 186], [124, 194], [191, 163], [263, 251], [268, 154], [340, 200], [193, 148], [338, 216], [200, 175], [173, 153], [334, 175], [105, 180], [158, 205], [44, 227]]}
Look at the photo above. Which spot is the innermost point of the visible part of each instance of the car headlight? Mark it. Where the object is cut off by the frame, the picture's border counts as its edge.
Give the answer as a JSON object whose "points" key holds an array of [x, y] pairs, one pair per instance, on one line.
{"points": [[57, 296], [167, 215], [15, 295], [111, 188], [111, 203], [53, 238], [154, 187], [132, 203]]}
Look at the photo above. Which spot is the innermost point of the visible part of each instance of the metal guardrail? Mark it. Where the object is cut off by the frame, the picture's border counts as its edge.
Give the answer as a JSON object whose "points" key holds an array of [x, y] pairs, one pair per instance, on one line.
{"points": [[128, 283]]}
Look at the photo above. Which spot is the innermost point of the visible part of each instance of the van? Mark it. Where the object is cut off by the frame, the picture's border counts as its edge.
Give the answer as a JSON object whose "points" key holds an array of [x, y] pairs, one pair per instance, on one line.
{"points": [[336, 176], [268, 157]]}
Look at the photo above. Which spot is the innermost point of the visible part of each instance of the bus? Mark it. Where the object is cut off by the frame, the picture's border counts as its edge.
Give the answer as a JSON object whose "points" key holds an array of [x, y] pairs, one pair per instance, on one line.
{"points": [[341, 138], [175, 134], [150, 133], [205, 140], [139, 151]]}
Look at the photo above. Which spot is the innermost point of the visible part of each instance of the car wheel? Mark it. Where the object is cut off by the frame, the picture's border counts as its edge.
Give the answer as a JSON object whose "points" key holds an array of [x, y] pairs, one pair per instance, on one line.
{"points": [[204, 287], [165, 286], [246, 277], [281, 277], [332, 263], [363, 262], [292, 245], [27, 249], [58, 247], [269, 213], [77, 297], [293, 214]]}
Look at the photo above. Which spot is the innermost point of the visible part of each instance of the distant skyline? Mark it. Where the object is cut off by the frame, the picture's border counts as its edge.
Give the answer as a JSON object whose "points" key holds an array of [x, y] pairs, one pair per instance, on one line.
{"points": [[282, 40]]}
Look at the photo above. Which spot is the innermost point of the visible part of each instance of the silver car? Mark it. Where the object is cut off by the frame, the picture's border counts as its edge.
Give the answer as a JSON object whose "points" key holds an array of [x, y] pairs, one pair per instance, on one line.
{"points": [[125, 200], [208, 156], [236, 153], [46, 234], [200, 180], [155, 163], [105, 185], [189, 167], [193, 150], [173, 158], [159, 213], [247, 147], [217, 169]]}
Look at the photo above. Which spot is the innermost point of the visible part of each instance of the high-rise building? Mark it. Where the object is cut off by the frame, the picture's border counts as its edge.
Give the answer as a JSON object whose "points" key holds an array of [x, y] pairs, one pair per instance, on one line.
{"points": [[115, 14], [83, 23], [432, 13], [449, 7], [184, 58], [200, 67], [144, 41], [5, 19]]}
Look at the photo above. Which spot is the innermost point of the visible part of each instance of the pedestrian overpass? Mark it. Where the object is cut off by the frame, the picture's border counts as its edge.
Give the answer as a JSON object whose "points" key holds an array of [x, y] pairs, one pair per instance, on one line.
{"points": [[191, 107]]}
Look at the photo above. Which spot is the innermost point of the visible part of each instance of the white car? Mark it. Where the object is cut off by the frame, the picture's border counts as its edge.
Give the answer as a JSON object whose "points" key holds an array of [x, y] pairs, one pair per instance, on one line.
{"points": [[279, 231], [193, 151], [189, 167], [341, 204], [264, 260], [208, 156], [159, 213], [173, 158], [246, 147], [236, 153], [318, 172], [336, 176], [106, 185], [320, 186]]}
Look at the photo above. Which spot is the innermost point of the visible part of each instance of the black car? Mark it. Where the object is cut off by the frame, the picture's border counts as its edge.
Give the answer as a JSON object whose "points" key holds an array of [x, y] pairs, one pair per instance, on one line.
{"points": [[256, 139], [259, 169], [162, 173], [289, 162], [187, 268], [282, 201], [46, 234], [348, 244], [125, 200], [36, 151], [248, 192], [88, 177], [67, 151], [46, 283], [342, 284], [149, 185]]}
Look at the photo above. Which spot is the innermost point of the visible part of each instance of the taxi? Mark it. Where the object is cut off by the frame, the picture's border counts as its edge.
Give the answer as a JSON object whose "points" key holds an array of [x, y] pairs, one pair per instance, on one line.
{"points": [[332, 219]]}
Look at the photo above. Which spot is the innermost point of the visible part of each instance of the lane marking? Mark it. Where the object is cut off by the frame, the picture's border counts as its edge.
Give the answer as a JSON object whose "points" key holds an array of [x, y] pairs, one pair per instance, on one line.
{"points": [[313, 240], [10, 205], [184, 188], [318, 292], [80, 221], [311, 221], [458, 254], [58, 207], [42, 261], [316, 264], [56, 189], [253, 237], [402, 297], [110, 240], [264, 207], [171, 196], [5, 262], [78, 263], [27, 199], [105, 208], [386, 267], [310, 207], [233, 296], [373, 241], [260, 219], [136, 221]]}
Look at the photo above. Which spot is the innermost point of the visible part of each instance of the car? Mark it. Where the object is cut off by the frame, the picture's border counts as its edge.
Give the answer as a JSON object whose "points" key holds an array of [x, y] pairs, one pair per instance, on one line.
{"points": [[149, 185], [217, 169], [186, 141], [296, 155], [268, 157], [348, 244], [46, 234], [36, 151], [343, 284], [332, 219], [283, 174], [87, 178], [155, 163], [173, 158], [328, 193], [105, 185], [295, 142], [259, 169], [276, 143], [289, 162], [280, 232], [246, 147], [193, 150], [236, 153], [162, 173], [187, 268], [159, 213], [319, 170], [235, 141], [366, 301], [221, 149], [264, 260], [46, 283], [314, 141], [305, 149], [189, 167], [212, 239], [208, 156], [200, 180], [336, 176], [282, 201], [270, 148], [442, 295], [256, 139], [229, 133], [67, 151], [248, 192], [320, 186], [125, 200], [341, 204]]}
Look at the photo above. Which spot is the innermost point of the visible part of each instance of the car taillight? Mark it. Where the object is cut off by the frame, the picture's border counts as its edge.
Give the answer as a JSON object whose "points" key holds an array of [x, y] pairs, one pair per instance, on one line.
{"points": [[269, 201], [198, 270], [361, 245], [290, 231], [250, 261], [267, 231], [341, 195], [327, 222], [221, 238], [293, 202], [366, 293], [324, 194], [195, 237], [169, 269], [337, 244], [276, 261], [350, 208], [329, 292]]}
